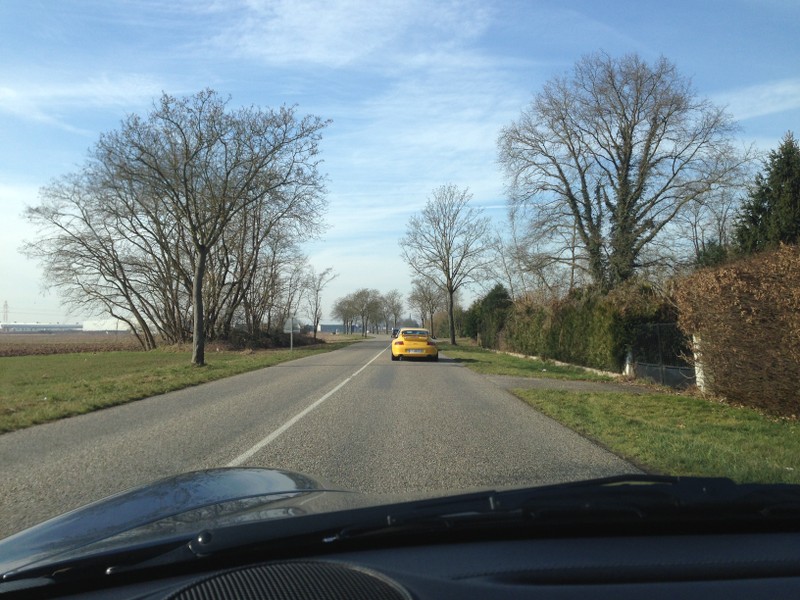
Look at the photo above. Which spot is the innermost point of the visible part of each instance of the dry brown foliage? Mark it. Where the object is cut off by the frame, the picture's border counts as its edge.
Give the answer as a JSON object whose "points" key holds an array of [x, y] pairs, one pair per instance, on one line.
{"points": [[747, 317]]}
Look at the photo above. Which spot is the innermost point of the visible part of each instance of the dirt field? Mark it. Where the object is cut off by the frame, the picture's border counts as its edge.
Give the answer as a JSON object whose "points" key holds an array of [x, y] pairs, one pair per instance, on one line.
{"points": [[28, 344], [23, 344]]}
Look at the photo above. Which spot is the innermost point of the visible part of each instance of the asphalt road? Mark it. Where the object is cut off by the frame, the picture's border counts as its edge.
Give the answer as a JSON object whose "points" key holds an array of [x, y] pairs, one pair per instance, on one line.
{"points": [[351, 418]]}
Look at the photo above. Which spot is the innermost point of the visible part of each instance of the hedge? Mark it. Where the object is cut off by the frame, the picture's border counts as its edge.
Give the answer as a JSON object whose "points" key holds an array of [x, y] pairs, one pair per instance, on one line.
{"points": [[746, 316], [587, 327]]}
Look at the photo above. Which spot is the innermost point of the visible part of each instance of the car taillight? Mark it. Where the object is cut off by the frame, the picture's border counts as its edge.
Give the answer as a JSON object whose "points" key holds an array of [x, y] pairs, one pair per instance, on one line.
{"points": [[398, 343], [431, 343]]}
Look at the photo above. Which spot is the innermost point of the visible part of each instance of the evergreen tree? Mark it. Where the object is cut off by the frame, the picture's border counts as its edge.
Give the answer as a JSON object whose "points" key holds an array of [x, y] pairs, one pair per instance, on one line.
{"points": [[487, 316], [771, 213]]}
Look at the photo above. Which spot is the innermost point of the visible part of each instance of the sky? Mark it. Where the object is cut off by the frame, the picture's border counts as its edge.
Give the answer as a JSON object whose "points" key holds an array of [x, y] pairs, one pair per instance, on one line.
{"points": [[417, 92]]}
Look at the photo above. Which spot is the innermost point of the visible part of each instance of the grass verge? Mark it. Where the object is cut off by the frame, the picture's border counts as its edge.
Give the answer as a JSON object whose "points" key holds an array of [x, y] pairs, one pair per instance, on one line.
{"points": [[668, 433], [38, 389], [484, 361], [680, 435]]}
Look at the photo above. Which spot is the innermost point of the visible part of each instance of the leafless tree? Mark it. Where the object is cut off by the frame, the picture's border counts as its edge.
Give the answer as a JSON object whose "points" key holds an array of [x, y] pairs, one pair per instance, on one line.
{"points": [[392, 305], [710, 223], [447, 243], [291, 289], [192, 186], [314, 284], [96, 250], [345, 309], [524, 267], [427, 299], [364, 304], [610, 154]]}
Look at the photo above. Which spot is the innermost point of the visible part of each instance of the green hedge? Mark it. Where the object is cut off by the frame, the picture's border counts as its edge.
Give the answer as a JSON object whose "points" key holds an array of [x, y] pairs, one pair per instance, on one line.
{"points": [[486, 318], [586, 328]]}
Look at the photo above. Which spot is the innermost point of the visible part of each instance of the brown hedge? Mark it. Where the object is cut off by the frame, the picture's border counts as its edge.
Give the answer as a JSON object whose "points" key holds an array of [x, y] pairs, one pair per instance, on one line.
{"points": [[746, 315]]}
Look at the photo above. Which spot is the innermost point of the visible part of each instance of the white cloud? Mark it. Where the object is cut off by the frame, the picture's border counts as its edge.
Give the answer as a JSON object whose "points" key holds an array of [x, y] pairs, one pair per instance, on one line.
{"points": [[45, 99], [762, 99], [341, 34]]}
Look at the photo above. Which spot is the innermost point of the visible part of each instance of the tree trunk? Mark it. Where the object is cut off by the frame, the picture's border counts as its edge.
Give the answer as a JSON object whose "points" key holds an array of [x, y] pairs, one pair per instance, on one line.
{"points": [[450, 316], [199, 334]]}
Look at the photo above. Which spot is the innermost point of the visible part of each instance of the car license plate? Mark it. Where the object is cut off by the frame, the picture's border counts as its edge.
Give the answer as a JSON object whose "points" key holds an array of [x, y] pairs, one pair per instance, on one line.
{"points": [[416, 351]]}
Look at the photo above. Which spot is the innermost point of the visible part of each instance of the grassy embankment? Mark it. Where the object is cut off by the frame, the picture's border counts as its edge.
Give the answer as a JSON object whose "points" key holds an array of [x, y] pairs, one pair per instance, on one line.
{"points": [[38, 389], [495, 363], [664, 432]]}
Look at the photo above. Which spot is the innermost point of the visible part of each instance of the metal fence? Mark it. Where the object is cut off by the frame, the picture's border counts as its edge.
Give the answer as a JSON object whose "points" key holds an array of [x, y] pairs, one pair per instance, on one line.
{"points": [[661, 352]]}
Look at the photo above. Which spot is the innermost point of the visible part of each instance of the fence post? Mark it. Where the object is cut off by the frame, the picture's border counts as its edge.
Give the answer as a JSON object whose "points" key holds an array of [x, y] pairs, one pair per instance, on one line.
{"points": [[699, 375], [630, 368]]}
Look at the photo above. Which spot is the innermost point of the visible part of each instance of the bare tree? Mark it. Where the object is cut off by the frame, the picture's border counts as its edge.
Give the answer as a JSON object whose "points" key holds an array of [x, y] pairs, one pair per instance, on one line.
{"points": [[367, 306], [613, 152], [447, 243], [291, 289], [175, 188], [708, 225], [314, 284], [97, 251], [392, 307], [523, 267], [346, 310], [427, 299]]}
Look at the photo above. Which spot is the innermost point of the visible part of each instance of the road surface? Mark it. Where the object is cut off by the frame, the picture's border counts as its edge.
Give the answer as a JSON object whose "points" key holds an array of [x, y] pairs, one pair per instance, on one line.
{"points": [[353, 418]]}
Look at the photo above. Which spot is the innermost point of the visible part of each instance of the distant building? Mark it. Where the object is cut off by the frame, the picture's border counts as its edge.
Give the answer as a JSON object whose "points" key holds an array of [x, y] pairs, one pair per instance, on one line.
{"points": [[106, 325], [40, 327], [112, 325]]}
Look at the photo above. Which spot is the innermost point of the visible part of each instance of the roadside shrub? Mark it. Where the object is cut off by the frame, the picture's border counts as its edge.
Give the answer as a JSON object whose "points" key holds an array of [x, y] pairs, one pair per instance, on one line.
{"points": [[746, 316], [486, 317], [587, 327]]}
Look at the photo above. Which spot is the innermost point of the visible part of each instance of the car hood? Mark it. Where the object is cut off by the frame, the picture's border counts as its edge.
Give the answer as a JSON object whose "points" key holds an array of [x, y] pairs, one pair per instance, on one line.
{"points": [[216, 510], [175, 507]]}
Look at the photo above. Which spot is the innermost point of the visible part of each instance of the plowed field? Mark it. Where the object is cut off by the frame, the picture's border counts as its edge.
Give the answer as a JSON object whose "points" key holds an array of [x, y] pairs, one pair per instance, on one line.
{"points": [[24, 344]]}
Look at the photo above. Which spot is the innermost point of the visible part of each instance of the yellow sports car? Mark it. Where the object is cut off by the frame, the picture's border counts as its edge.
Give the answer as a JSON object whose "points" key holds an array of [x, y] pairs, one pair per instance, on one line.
{"points": [[414, 342]]}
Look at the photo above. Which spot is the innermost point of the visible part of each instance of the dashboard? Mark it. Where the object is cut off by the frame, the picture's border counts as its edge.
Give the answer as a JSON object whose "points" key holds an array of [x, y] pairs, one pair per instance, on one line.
{"points": [[749, 565]]}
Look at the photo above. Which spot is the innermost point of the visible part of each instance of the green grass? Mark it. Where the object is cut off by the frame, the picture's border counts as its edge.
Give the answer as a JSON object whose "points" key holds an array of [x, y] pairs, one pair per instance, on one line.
{"points": [[494, 363], [680, 435], [38, 389], [668, 433]]}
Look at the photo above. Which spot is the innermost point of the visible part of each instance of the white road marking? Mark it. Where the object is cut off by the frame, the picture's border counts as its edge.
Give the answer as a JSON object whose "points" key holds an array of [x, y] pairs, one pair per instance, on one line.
{"points": [[274, 435]]}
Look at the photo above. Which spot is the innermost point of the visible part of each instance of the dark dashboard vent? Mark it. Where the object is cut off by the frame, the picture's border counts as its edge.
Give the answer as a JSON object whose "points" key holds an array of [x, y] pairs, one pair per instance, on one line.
{"points": [[294, 579]]}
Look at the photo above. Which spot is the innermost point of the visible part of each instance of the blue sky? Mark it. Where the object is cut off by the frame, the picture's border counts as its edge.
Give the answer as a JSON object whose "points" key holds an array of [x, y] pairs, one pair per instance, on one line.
{"points": [[417, 91]]}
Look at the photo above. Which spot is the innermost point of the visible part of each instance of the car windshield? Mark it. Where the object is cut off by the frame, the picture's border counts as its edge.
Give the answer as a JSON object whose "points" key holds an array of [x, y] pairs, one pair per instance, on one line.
{"points": [[221, 218]]}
